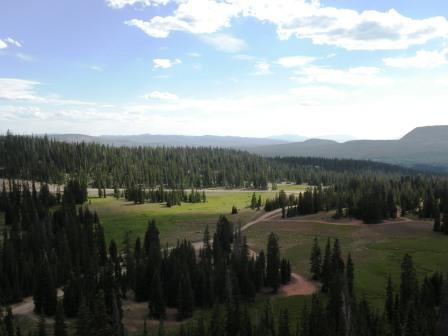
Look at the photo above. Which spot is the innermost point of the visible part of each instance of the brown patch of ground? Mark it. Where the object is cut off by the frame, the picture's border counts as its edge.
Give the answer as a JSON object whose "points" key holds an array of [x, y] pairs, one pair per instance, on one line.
{"points": [[134, 314], [26, 307], [299, 286]]}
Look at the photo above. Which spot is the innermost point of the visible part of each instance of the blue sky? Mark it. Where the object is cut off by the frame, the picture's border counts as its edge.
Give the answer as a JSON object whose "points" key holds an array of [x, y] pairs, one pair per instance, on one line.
{"points": [[370, 69]]}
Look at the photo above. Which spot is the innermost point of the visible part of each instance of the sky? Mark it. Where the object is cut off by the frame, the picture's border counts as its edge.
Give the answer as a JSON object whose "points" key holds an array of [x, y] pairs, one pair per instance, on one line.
{"points": [[368, 69]]}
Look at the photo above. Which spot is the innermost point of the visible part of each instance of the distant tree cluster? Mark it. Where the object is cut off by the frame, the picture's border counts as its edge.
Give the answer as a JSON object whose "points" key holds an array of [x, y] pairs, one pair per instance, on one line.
{"points": [[440, 217], [371, 199], [140, 195]]}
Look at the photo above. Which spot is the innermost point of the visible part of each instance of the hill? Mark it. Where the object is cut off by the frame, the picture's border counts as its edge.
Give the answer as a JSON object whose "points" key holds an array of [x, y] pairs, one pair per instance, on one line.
{"points": [[155, 140], [423, 147]]}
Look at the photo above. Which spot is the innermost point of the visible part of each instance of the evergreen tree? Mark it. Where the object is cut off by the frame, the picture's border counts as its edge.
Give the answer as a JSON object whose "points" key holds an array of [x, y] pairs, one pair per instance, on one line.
{"points": [[316, 260], [273, 263], [389, 305], [409, 285], [102, 322], [350, 275], [283, 324], [326, 268], [41, 328], [253, 202], [60, 329], [45, 296], [437, 224], [156, 300], [185, 301], [84, 321]]}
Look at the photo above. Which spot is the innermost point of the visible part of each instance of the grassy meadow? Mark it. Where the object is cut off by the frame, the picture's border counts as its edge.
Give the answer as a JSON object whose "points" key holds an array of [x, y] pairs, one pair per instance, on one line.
{"points": [[377, 250], [186, 221]]}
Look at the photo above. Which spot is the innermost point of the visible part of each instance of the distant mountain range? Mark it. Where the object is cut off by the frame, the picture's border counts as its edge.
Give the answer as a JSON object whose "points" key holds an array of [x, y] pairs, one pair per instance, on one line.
{"points": [[170, 140], [299, 138], [423, 148]]}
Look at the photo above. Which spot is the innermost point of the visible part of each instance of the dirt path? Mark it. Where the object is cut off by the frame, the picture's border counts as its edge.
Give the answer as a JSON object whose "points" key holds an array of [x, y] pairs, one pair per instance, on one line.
{"points": [[26, 307], [263, 218], [352, 222], [299, 286]]}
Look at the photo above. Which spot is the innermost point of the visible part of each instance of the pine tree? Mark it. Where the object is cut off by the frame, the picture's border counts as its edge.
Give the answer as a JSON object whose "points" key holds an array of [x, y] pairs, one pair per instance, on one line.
{"points": [[409, 285], [445, 221], [45, 295], [266, 324], [161, 331], [389, 305], [84, 321], [259, 202], [253, 202], [60, 329], [41, 329], [273, 263], [316, 260], [326, 268], [145, 328], [437, 224], [337, 264], [185, 301], [283, 324], [350, 275], [102, 324], [156, 300], [442, 321]]}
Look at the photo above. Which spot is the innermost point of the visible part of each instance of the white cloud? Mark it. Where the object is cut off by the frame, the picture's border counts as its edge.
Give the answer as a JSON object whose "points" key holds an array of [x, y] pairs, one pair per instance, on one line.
{"points": [[225, 42], [262, 68], [160, 96], [193, 16], [304, 19], [244, 57], [14, 89], [97, 68], [25, 57], [194, 54], [9, 42], [295, 61], [317, 92], [124, 3], [165, 63], [18, 89], [13, 42], [422, 60], [352, 77]]}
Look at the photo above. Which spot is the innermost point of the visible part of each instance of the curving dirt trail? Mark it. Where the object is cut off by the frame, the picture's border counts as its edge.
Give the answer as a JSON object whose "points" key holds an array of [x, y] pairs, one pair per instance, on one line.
{"points": [[26, 307], [298, 285]]}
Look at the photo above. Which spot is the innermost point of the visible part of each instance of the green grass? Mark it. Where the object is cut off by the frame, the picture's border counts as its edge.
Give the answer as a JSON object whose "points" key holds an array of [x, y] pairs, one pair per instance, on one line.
{"points": [[186, 221], [291, 187], [377, 251]]}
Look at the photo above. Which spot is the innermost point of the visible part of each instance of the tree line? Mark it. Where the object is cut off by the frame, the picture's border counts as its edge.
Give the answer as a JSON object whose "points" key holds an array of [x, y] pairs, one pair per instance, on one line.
{"points": [[139, 195], [101, 166], [372, 199]]}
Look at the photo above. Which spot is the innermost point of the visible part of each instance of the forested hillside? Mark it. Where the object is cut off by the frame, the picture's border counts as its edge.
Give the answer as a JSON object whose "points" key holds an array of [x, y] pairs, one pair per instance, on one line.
{"points": [[42, 159], [424, 147]]}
